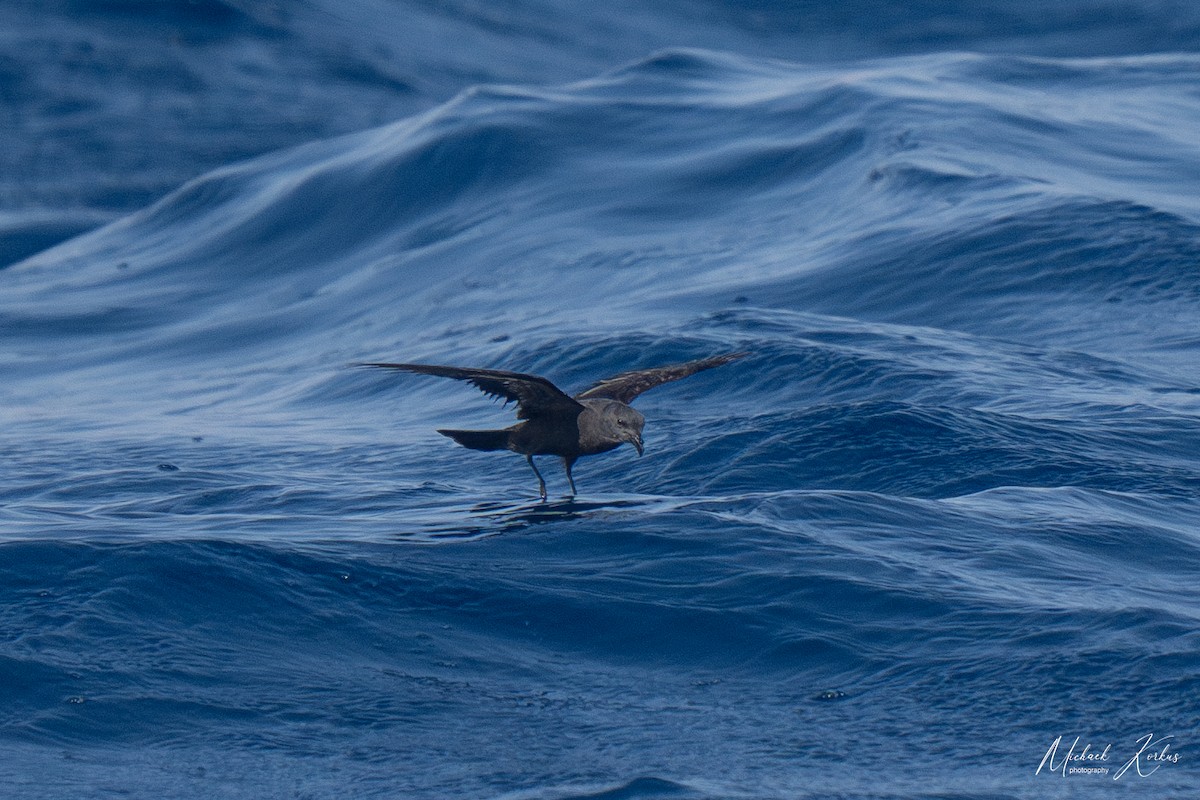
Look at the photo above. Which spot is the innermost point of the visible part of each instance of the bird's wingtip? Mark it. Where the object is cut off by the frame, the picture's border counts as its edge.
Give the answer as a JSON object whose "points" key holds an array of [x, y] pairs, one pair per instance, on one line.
{"points": [[725, 358]]}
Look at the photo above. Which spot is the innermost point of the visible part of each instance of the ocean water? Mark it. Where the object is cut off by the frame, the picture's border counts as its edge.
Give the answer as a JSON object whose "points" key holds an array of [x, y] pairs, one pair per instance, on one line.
{"points": [[945, 515]]}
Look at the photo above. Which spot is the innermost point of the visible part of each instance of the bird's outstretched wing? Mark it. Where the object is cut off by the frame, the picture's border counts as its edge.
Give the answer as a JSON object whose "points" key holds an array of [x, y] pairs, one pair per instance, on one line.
{"points": [[628, 385], [535, 396]]}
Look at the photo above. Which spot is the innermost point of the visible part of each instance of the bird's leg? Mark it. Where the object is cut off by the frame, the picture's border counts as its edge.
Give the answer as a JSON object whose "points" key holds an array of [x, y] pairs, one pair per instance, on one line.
{"points": [[568, 463], [541, 483]]}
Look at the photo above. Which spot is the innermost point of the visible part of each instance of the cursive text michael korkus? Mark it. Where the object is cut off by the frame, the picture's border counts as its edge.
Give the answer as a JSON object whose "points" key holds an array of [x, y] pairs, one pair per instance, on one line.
{"points": [[1149, 755]]}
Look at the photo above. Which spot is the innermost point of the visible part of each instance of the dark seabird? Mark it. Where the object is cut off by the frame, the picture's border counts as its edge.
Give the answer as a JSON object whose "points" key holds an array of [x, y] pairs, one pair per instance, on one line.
{"points": [[594, 421]]}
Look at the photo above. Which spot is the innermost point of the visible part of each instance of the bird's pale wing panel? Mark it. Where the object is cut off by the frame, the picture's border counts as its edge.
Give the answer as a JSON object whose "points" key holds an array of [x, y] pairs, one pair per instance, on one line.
{"points": [[535, 396], [628, 385]]}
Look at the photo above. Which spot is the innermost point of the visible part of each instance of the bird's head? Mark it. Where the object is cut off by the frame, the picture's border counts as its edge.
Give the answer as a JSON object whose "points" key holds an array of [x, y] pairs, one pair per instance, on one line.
{"points": [[628, 423]]}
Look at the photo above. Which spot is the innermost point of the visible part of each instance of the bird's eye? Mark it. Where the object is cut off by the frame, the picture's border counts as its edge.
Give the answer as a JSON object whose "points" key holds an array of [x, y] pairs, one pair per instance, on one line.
{"points": [[620, 420]]}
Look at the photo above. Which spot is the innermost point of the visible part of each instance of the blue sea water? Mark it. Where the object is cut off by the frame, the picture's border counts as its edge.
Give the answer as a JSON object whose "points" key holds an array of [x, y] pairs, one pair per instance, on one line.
{"points": [[945, 514]]}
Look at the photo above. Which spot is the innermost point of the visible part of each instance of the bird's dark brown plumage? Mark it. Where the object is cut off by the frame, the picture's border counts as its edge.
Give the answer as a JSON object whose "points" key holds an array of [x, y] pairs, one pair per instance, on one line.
{"points": [[628, 385], [597, 420], [534, 395]]}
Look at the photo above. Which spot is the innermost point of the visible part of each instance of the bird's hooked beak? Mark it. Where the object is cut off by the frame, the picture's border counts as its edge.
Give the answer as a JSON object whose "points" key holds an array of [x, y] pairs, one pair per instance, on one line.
{"points": [[636, 441]]}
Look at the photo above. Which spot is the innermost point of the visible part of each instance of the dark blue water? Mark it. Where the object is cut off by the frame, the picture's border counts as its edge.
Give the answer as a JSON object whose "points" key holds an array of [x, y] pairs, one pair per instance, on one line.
{"points": [[945, 513]]}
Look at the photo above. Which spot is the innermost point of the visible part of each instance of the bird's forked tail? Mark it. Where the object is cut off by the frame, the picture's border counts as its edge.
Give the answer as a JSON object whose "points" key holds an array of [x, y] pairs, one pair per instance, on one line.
{"points": [[479, 440]]}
